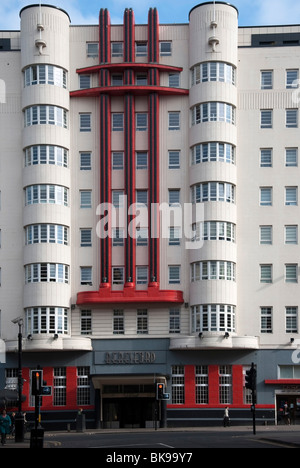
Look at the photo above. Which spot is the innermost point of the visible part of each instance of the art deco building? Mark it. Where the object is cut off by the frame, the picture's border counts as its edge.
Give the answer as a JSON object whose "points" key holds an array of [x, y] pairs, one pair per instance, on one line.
{"points": [[149, 215]]}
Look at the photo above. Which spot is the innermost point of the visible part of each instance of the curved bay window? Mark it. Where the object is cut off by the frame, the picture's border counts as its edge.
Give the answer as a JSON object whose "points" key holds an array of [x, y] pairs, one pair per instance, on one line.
{"points": [[47, 320], [213, 318]]}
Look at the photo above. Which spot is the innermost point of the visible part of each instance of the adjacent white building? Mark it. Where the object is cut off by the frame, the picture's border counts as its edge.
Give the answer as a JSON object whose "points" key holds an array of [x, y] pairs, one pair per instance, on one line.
{"points": [[199, 118]]}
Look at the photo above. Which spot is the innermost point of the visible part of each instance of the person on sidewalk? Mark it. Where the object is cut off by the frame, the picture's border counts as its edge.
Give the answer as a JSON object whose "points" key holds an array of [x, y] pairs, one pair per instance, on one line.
{"points": [[5, 423], [226, 420]]}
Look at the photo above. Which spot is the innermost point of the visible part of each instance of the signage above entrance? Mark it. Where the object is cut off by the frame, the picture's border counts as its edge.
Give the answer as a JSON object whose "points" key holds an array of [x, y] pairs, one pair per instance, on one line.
{"points": [[128, 357]]}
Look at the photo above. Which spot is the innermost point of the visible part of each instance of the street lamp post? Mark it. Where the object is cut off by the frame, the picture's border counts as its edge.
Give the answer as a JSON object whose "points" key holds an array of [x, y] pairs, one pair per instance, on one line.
{"points": [[19, 419]]}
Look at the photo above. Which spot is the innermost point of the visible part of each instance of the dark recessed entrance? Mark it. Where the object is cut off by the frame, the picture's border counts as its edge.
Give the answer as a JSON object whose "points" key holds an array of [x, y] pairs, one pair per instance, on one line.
{"points": [[128, 412]]}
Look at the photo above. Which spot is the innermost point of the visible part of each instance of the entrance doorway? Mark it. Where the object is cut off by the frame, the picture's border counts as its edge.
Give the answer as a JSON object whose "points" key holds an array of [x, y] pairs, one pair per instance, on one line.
{"points": [[128, 412], [288, 409]]}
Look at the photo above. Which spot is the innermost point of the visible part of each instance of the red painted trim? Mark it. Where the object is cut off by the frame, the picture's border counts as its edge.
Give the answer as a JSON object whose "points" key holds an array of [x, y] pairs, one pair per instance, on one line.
{"points": [[116, 67], [129, 295], [218, 406], [283, 382], [133, 89]]}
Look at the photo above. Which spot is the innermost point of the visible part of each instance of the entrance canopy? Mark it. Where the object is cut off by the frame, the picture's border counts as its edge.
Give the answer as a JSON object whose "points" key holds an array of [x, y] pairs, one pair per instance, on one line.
{"points": [[151, 379]]}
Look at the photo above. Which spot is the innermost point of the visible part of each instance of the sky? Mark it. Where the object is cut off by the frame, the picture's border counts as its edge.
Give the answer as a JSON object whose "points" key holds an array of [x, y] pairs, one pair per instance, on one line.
{"points": [[251, 12]]}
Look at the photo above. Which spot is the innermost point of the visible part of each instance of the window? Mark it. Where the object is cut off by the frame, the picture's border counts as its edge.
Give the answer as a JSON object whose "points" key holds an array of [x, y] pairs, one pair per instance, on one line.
{"points": [[266, 235], [46, 272], [47, 320], [117, 79], [178, 397], [141, 49], [85, 122], [292, 77], [85, 161], [117, 49], [142, 275], [85, 238], [266, 320], [291, 234], [212, 318], [46, 233], [213, 71], [174, 159], [142, 197], [117, 161], [266, 196], [141, 160], [141, 79], [291, 319], [289, 372], [141, 122], [118, 322], [84, 81], [46, 115], [45, 154], [266, 119], [213, 112], [266, 156], [85, 199], [292, 118], [214, 230], [60, 386], [142, 322], [117, 122], [174, 120], [50, 194], [174, 321], [118, 275], [291, 157], [291, 196], [83, 386], [291, 273], [174, 274], [118, 198], [93, 49], [174, 80], [174, 235], [174, 197], [213, 191], [225, 385], [45, 74], [141, 236], [267, 79], [201, 380], [86, 322], [213, 270], [118, 237], [266, 273], [212, 152], [86, 276], [165, 49]]}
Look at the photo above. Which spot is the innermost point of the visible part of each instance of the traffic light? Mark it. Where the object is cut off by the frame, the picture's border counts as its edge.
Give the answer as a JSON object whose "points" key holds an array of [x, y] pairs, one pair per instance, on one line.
{"points": [[251, 378], [160, 391], [36, 382]]}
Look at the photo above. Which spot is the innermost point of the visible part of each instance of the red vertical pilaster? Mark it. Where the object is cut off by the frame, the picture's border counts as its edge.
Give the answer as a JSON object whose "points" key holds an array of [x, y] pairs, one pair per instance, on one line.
{"points": [[154, 179], [105, 146], [129, 148], [213, 378], [237, 385], [189, 381], [71, 387]]}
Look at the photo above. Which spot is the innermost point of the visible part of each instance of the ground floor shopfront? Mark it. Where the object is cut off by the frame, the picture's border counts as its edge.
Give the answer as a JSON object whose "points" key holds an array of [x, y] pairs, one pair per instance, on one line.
{"points": [[115, 385]]}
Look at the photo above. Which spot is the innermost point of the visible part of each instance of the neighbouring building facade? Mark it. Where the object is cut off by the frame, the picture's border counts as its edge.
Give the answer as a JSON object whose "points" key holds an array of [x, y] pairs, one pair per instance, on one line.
{"points": [[149, 216]]}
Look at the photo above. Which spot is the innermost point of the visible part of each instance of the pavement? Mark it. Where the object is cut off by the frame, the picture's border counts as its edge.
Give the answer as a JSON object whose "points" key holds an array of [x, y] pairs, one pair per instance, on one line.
{"points": [[288, 436]]}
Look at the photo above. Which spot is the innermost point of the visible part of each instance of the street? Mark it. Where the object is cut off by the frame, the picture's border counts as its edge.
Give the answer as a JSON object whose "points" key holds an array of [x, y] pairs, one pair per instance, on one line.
{"points": [[172, 440]]}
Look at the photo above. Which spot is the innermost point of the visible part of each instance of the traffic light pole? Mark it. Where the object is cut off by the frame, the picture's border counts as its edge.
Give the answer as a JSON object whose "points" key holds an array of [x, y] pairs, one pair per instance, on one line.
{"points": [[253, 411]]}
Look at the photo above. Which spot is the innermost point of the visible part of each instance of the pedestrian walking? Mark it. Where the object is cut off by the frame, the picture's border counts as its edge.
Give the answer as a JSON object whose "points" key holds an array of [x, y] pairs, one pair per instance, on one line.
{"points": [[5, 423], [226, 420]]}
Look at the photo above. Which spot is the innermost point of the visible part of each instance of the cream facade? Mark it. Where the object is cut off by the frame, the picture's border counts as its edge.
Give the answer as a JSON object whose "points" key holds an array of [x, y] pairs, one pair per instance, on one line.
{"points": [[199, 115]]}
